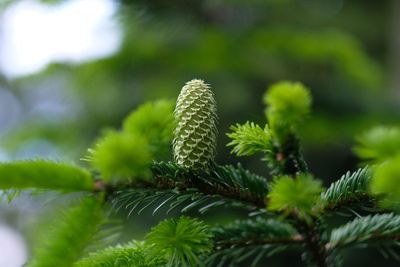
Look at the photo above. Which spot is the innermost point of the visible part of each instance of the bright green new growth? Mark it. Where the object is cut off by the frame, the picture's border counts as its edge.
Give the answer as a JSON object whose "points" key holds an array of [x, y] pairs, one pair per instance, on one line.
{"points": [[155, 121], [134, 254], [300, 194], [44, 174], [288, 103], [386, 181], [173, 242], [121, 155], [249, 138], [146, 134], [194, 145], [182, 241], [379, 144], [71, 234]]}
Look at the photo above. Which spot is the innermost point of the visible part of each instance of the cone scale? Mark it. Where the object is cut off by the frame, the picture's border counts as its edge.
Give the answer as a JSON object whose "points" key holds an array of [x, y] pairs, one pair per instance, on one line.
{"points": [[194, 145]]}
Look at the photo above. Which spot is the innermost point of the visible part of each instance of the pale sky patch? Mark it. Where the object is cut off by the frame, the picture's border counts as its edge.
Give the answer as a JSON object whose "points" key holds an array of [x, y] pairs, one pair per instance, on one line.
{"points": [[33, 34], [13, 251]]}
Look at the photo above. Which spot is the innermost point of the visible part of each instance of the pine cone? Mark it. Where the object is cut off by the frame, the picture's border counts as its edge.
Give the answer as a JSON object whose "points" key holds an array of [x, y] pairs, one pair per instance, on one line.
{"points": [[196, 126]]}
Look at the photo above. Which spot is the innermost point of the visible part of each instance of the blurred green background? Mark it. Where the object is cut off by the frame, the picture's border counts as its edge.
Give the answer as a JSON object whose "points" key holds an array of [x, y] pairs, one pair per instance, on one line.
{"points": [[346, 51]]}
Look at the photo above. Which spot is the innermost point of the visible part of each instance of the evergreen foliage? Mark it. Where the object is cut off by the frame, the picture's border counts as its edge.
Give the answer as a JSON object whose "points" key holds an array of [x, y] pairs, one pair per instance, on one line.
{"points": [[228, 181], [287, 212], [350, 189], [133, 254], [380, 228], [121, 155], [146, 135], [299, 194], [378, 144], [44, 174], [183, 241], [250, 240], [176, 188], [71, 234], [249, 138], [155, 121], [254, 231], [386, 181], [138, 200], [288, 103], [381, 145]]}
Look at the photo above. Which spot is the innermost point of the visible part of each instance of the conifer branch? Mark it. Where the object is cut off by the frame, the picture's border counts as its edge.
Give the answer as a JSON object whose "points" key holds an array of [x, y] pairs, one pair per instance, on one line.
{"points": [[131, 254], [182, 241], [175, 187], [138, 200], [290, 161], [131, 181], [251, 255], [43, 174], [296, 239], [351, 189], [288, 158], [384, 228], [253, 232], [226, 181], [250, 249], [317, 252], [71, 234], [249, 138], [288, 103]]}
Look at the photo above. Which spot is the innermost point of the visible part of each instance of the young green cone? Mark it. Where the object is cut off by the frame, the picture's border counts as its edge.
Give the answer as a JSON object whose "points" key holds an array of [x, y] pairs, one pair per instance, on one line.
{"points": [[196, 126]]}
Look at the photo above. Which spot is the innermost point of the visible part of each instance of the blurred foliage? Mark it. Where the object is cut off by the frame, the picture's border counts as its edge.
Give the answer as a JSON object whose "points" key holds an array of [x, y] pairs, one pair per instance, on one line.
{"points": [[381, 147], [146, 135], [132, 254], [337, 48], [239, 46], [121, 154], [68, 235], [46, 174], [155, 121], [386, 181], [287, 105], [379, 144]]}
